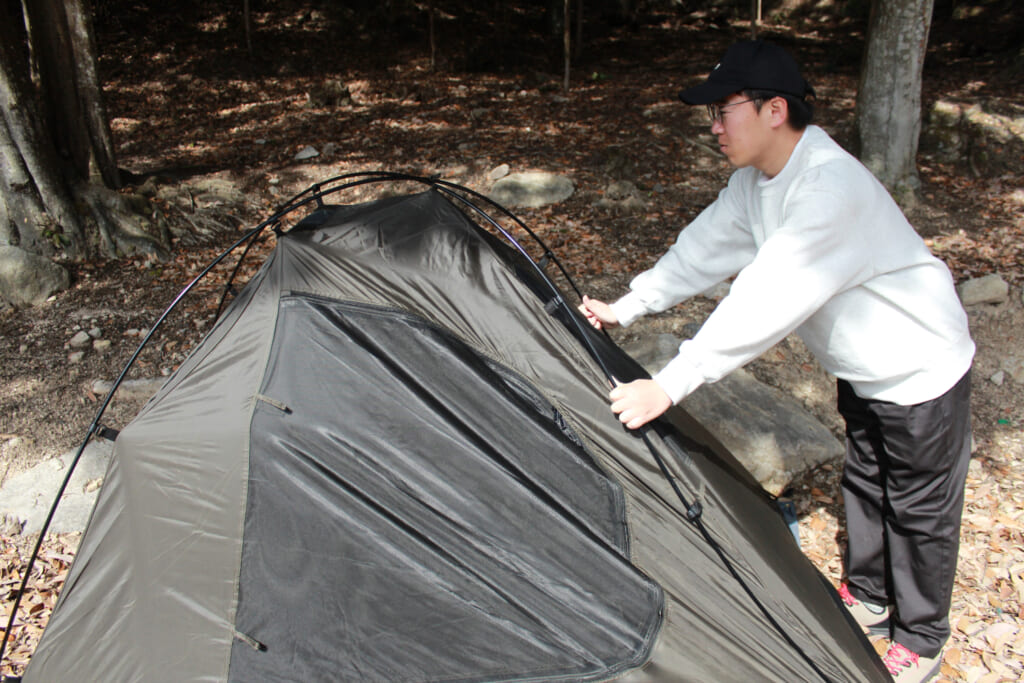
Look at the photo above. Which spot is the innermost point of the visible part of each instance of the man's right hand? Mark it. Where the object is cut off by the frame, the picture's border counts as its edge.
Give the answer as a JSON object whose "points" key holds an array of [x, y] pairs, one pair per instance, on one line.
{"points": [[598, 313]]}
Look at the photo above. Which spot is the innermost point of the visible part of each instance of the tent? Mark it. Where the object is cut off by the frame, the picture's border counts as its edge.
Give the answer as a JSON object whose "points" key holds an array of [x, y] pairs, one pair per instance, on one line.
{"points": [[392, 459]]}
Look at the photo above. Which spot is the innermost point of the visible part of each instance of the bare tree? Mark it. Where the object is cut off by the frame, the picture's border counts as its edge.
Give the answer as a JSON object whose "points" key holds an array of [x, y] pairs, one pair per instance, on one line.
{"points": [[56, 153], [247, 20], [889, 96], [566, 44]]}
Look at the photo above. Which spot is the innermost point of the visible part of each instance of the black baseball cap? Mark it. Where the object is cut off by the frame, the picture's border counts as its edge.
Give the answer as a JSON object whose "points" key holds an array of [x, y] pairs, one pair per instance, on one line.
{"points": [[750, 65]]}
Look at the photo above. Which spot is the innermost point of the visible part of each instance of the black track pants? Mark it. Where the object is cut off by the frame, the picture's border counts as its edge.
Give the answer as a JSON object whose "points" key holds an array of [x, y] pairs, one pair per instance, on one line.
{"points": [[903, 488]]}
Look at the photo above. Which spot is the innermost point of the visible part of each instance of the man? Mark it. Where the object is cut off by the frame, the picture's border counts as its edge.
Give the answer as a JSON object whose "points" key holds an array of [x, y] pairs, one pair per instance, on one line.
{"points": [[819, 248]]}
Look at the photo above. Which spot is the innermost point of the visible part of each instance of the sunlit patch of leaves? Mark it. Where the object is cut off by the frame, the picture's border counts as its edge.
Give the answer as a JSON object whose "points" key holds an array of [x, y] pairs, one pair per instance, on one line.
{"points": [[41, 592]]}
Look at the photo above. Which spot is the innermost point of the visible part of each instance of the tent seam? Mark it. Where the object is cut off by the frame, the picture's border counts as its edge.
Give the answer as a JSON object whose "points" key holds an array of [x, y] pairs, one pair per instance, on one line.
{"points": [[243, 500]]}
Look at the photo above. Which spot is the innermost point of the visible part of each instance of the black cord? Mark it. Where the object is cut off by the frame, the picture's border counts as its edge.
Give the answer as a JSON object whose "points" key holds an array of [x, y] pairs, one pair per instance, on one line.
{"points": [[693, 514]]}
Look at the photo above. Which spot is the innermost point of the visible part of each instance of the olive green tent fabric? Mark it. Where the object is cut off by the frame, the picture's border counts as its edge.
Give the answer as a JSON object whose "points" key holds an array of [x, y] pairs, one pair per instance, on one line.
{"points": [[393, 459]]}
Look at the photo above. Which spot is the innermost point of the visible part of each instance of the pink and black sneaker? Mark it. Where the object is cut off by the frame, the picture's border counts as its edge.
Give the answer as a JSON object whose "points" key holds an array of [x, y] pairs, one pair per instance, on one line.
{"points": [[909, 667], [874, 619]]}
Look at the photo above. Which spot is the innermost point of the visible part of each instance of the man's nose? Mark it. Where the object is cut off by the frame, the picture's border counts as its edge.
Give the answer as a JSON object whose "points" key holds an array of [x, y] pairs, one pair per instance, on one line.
{"points": [[717, 127]]}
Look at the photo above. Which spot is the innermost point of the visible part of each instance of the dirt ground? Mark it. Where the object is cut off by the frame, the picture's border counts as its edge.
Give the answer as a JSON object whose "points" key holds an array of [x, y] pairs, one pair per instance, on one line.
{"points": [[201, 110]]}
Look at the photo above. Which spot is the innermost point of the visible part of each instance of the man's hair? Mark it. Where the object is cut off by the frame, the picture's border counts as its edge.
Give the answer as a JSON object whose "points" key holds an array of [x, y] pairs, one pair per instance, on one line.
{"points": [[801, 110]]}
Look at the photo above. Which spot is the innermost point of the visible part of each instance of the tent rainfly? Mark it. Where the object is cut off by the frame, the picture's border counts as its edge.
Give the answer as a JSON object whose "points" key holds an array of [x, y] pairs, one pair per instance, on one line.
{"points": [[392, 459]]}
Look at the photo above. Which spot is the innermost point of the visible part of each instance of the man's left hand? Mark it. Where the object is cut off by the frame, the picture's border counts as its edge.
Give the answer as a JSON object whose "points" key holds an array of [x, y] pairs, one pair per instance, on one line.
{"points": [[639, 402]]}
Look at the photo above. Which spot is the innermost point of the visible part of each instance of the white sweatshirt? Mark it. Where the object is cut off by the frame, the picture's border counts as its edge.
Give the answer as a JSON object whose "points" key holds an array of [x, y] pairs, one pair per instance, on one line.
{"points": [[823, 250]]}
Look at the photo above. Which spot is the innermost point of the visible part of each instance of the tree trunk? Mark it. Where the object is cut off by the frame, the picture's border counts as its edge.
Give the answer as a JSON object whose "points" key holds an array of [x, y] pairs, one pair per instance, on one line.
{"points": [[58, 170], [20, 205], [247, 20], [83, 45], [433, 41], [53, 71], [889, 96], [34, 149], [578, 46], [566, 43], [64, 53]]}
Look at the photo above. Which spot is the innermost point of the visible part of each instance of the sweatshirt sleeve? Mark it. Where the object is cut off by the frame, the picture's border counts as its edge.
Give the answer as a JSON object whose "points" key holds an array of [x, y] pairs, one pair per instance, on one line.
{"points": [[715, 246], [809, 259]]}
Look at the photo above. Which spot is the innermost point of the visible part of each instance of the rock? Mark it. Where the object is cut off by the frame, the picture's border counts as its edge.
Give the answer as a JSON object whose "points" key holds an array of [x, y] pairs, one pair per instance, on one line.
{"points": [[95, 332], [76, 357], [330, 93], [132, 389], [718, 292], [27, 279], [691, 329], [942, 135], [992, 144], [94, 313], [498, 172], [653, 351], [80, 340], [306, 153], [212, 191], [995, 142], [29, 495], [990, 289], [997, 378], [626, 207], [101, 345], [532, 189], [622, 198], [767, 430], [620, 189], [1014, 366]]}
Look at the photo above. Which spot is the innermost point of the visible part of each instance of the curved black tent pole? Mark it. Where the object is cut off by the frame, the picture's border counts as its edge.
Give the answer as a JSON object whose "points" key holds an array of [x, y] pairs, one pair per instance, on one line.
{"points": [[231, 278], [316, 194], [451, 189]]}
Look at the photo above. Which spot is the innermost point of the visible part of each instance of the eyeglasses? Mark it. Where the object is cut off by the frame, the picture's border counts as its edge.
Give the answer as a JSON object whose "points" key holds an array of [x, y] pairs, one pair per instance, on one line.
{"points": [[717, 112]]}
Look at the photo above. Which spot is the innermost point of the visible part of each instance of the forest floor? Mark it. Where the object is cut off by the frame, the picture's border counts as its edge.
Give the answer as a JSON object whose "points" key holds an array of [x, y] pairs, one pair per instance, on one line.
{"points": [[189, 108]]}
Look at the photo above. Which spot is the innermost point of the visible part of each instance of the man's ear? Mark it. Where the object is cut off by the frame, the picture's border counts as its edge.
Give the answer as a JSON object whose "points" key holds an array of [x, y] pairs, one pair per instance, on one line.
{"points": [[778, 111]]}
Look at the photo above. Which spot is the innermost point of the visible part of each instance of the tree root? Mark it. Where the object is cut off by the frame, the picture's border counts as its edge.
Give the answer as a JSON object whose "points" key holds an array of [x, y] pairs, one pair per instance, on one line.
{"points": [[204, 226], [123, 224]]}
